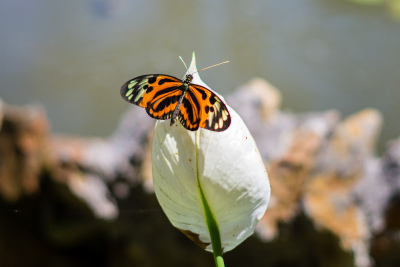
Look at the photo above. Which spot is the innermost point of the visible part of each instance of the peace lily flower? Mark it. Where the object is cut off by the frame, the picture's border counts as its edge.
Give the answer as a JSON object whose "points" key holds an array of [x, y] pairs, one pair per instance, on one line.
{"points": [[212, 186]]}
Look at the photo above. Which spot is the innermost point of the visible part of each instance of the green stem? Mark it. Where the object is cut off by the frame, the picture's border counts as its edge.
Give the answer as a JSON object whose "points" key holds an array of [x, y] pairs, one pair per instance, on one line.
{"points": [[210, 219]]}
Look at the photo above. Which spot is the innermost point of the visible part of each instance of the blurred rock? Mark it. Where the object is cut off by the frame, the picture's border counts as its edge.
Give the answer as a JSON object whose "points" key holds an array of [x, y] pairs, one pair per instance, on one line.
{"points": [[24, 152], [328, 197]]}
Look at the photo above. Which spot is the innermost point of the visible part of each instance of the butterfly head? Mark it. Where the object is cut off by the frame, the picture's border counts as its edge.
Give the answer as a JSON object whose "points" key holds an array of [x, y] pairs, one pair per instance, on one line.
{"points": [[188, 79]]}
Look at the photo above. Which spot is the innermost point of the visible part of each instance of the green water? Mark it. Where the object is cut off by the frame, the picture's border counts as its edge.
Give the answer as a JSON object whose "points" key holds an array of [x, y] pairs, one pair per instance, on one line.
{"points": [[73, 56]]}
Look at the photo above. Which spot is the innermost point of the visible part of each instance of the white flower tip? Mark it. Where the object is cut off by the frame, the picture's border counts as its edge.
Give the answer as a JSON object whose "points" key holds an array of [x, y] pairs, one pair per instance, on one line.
{"points": [[192, 67]]}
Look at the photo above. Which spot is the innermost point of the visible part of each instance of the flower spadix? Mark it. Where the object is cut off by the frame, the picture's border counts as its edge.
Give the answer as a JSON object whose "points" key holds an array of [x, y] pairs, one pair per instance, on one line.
{"points": [[221, 172]]}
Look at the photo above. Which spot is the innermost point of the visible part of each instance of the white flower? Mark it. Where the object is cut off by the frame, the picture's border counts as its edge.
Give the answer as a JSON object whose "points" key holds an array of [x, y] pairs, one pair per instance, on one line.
{"points": [[225, 166]]}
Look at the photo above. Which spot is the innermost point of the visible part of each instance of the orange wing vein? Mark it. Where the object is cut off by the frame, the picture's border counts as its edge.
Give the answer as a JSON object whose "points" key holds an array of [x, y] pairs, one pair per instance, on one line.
{"points": [[157, 93], [203, 108]]}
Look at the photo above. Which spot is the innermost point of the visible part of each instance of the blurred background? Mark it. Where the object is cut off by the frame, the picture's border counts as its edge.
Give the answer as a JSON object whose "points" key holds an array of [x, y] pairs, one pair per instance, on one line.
{"points": [[73, 56]]}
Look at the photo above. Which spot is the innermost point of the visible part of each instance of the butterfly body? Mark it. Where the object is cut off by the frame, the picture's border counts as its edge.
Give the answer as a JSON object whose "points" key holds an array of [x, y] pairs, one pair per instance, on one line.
{"points": [[185, 87], [166, 97]]}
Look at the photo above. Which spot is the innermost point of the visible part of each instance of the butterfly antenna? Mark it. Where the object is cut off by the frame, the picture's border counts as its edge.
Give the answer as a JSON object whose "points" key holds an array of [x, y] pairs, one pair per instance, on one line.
{"points": [[183, 63], [212, 66]]}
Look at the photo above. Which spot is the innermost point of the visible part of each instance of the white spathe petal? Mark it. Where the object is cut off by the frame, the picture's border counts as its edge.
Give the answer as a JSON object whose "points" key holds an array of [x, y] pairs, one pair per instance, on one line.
{"points": [[231, 174]]}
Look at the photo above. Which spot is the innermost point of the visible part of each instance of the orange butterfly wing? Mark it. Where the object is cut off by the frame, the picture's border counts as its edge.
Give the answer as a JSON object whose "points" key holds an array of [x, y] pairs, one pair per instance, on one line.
{"points": [[203, 108], [158, 93], [189, 114]]}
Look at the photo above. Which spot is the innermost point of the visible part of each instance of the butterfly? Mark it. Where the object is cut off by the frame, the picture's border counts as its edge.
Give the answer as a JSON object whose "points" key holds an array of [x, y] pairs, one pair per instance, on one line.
{"points": [[166, 97]]}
